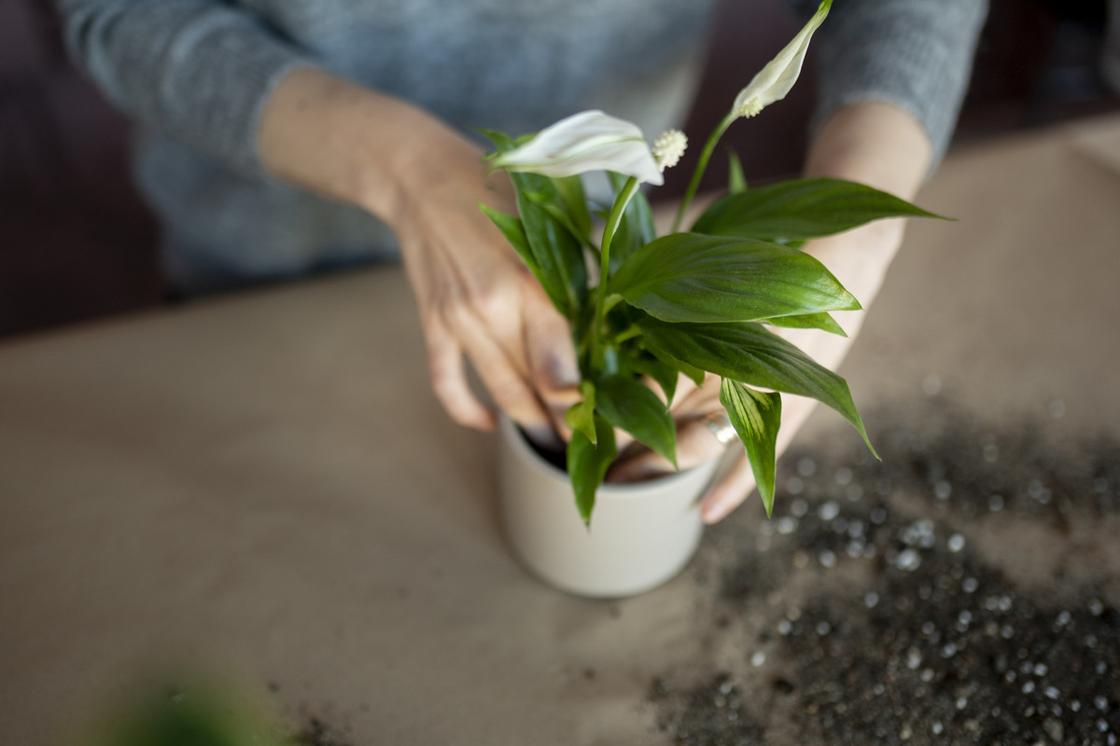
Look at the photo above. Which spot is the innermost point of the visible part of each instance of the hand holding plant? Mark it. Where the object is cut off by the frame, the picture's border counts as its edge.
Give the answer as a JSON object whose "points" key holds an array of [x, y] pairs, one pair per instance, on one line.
{"points": [[692, 302]]}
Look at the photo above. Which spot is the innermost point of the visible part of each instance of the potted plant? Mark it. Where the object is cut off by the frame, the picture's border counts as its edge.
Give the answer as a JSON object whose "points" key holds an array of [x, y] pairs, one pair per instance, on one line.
{"points": [[695, 302]]}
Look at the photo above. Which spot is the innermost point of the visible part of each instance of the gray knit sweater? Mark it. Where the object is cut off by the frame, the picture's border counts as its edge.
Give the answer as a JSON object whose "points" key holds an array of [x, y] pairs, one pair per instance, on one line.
{"points": [[195, 73]]}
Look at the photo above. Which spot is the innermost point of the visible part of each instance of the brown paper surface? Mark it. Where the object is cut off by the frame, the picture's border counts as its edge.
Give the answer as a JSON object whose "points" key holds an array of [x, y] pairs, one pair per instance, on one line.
{"points": [[264, 484]]}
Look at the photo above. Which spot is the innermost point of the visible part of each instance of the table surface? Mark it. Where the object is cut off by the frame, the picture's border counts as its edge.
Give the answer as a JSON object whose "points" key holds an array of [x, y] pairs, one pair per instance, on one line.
{"points": [[264, 485]]}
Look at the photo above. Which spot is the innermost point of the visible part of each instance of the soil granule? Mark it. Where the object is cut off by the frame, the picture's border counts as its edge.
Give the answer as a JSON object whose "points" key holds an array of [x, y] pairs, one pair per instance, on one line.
{"points": [[892, 602]]}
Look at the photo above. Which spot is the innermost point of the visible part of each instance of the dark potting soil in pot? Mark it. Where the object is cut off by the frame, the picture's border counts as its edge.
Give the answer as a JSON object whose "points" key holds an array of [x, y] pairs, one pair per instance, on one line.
{"points": [[558, 457], [962, 591]]}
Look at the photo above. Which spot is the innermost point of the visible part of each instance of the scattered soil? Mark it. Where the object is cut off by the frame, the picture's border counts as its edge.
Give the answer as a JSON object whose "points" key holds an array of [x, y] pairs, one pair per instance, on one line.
{"points": [[889, 603], [711, 714], [317, 733]]}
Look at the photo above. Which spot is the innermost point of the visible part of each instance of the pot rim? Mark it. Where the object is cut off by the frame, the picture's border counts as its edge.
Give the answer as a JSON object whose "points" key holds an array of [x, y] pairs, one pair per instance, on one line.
{"points": [[627, 489]]}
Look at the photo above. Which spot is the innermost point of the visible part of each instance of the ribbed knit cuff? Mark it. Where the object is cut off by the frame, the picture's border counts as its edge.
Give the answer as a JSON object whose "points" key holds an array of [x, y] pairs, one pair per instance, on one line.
{"points": [[195, 70], [913, 54], [231, 77]]}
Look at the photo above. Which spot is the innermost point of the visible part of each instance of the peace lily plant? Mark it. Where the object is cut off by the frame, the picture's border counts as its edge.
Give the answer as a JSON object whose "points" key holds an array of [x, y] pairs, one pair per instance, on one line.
{"points": [[694, 301]]}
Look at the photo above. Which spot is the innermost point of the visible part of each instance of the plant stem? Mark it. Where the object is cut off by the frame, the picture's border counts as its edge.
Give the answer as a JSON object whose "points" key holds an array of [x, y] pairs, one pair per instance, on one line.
{"points": [[629, 333], [629, 189], [701, 166]]}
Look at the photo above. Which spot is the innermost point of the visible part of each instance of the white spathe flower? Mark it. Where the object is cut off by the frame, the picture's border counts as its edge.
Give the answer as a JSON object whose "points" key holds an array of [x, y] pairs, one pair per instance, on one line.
{"points": [[668, 148], [774, 81], [588, 141]]}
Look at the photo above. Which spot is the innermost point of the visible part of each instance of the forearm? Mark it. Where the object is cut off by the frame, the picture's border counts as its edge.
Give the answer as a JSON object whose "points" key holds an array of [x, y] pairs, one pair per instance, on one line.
{"points": [[884, 147], [351, 143]]}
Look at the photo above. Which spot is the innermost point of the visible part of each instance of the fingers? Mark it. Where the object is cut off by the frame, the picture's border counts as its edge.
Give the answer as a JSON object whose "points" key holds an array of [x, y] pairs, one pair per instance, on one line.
{"points": [[502, 378], [728, 493], [551, 358], [548, 342], [695, 441], [685, 387], [449, 380], [695, 445], [692, 400]]}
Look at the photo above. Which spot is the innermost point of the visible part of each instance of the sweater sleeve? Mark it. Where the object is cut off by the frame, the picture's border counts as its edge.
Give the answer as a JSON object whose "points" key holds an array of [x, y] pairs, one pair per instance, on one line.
{"points": [[197, 70], [914, 54]]}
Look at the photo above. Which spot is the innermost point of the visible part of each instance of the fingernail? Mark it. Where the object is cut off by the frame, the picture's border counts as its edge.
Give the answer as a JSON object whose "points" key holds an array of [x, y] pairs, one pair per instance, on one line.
{"points": [[562, 373]]}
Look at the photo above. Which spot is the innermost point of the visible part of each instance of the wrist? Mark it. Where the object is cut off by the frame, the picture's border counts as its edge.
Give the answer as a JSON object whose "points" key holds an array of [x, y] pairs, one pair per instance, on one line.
{"points": [[348, 142], [884, 147], [433, 163], [873, 143]]}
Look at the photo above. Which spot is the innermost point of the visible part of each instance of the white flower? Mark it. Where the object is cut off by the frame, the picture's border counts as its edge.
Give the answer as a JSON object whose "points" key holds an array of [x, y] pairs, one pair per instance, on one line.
{"points": [[588, 141], [774, 81], [668, 148]]}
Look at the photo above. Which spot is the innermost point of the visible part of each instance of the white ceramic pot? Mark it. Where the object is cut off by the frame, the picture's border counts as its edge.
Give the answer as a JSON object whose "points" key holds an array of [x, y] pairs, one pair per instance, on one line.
{"points": [[641, 534]]}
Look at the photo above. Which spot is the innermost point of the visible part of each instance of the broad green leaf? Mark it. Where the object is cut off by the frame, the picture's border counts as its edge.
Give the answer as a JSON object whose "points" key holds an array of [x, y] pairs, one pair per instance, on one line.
{"points": [[822, 321], [664, 373], [751, 354], [692, 277], [801, 209], [636, 229], [631, 406], [560, 264], [581, 415], [512, 228], [691, 371], [556, 255], [588, 463], [563, 218], [756, 416], [736, 181]]}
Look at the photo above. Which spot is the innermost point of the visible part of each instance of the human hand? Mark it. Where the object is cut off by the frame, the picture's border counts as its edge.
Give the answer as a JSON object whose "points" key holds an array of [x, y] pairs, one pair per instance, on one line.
{"points": [[476, 298], [873, 143], [423, 179], [859, 259]]}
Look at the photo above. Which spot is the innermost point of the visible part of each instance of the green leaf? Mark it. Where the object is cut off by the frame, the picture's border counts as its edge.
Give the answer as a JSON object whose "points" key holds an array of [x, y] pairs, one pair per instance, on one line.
{"points": [[563, 218], [822, 321], [588, 463], [503, 142], [570, 189], [664, 373], [751, 354], [631, 406], [736, 181], [551, 249], [581, 415], [636, 228], [696, 375], [692, 277], [512, 228], [561, 269], [801, 209], [756, 417]]}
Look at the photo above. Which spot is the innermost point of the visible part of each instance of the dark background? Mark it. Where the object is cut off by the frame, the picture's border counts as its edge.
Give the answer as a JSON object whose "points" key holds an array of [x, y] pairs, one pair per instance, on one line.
{"points": [[76, 243]]}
